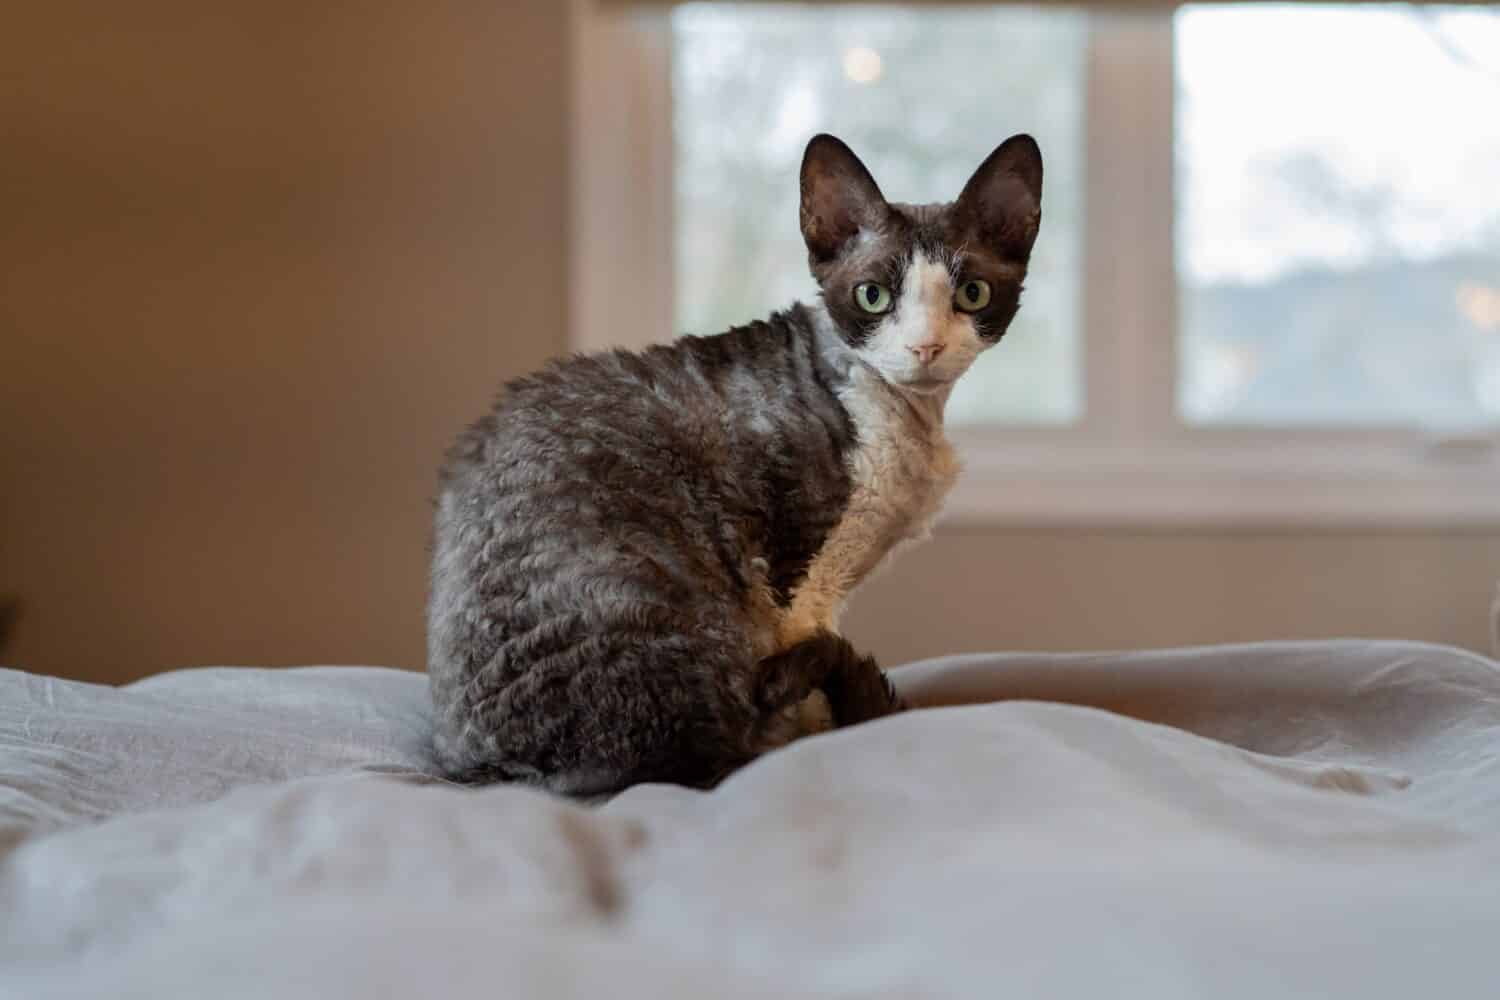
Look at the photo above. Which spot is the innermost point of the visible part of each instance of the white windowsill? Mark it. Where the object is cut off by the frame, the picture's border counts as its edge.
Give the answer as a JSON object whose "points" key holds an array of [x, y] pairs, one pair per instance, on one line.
{"points": [[1224, 485]]}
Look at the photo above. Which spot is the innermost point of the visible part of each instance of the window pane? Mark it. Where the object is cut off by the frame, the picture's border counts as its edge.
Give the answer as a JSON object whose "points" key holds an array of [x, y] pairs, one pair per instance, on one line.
{"points": [[1338, 228], [922, 95]]}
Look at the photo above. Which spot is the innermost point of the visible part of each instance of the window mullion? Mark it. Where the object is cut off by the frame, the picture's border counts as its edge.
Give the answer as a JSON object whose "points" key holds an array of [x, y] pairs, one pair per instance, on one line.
{"points": [[1130, 292]]}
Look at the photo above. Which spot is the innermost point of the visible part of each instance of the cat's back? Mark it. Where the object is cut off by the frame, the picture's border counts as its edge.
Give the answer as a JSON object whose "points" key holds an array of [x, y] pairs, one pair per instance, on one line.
{"points": [[699, 395], [592, 466], [574, 410]]}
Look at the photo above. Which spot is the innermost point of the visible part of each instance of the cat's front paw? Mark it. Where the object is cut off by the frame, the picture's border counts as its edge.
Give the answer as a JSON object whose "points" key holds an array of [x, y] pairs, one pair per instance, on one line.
{"points": [[814, 714], [858, 691]]}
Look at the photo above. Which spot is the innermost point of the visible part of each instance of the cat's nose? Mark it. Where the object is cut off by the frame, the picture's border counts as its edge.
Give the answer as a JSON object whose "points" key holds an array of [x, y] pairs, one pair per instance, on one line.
{"points": [[926, 352]]}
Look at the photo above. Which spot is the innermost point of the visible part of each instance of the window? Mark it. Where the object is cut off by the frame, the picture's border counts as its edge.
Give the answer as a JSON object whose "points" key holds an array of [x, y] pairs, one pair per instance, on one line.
{"points": [[1338, 223], [1257, 296]]}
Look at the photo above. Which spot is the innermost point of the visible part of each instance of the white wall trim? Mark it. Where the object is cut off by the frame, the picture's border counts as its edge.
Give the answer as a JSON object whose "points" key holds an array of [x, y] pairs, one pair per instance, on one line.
{"points": [[1292, 483]]}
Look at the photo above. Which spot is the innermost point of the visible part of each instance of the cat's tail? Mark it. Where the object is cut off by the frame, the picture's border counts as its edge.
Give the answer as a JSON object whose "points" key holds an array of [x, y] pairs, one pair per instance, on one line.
{"points": [[857, 689]]}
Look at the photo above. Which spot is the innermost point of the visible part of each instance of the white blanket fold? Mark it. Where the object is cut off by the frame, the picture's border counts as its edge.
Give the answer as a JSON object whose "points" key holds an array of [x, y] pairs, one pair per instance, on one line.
{"points": [[1297, 819]]}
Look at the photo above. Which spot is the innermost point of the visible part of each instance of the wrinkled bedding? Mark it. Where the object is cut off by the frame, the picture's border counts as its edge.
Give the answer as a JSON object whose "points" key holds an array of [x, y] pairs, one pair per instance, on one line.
{"points": [[1275, 820]]}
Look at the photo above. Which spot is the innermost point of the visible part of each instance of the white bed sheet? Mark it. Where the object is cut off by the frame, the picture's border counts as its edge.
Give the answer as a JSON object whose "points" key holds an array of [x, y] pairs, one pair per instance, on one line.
{"points": [[1296, 819]]}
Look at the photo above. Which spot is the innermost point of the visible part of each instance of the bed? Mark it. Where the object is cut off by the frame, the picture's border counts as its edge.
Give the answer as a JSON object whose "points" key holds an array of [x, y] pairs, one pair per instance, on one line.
{"points": [[1273, 820]]}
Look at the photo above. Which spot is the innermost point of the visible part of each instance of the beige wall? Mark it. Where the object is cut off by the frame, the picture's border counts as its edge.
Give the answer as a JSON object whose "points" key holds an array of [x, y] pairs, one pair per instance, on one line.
{"points": [[259, 262], [259, 266], [970, 590]]}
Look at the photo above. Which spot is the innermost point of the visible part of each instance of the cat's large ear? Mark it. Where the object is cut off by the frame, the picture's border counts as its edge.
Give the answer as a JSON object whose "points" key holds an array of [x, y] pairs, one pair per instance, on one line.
{"points": [[1001, 206], [839, 197]]}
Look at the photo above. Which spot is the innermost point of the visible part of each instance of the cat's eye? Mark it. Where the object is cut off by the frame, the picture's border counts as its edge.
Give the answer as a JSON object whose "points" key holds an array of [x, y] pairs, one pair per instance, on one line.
{"points": [[972, 296], [872, 297]]}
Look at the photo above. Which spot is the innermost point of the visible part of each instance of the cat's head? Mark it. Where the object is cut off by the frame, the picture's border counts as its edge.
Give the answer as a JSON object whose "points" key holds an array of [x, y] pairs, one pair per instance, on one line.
{"points": [[918, 291]]}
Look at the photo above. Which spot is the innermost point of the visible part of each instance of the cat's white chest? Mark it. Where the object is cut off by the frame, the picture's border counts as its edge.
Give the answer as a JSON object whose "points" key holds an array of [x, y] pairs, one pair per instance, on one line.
{"points": [[900, 471]]}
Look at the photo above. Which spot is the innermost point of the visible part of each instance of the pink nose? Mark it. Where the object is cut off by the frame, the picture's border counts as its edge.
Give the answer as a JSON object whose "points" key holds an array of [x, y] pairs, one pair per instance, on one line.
{"points": [[926, 352]]}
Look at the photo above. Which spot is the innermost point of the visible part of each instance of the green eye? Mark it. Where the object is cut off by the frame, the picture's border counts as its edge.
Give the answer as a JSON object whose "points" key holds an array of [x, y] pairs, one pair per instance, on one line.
{"points": [[972, 296], [872, 298]]}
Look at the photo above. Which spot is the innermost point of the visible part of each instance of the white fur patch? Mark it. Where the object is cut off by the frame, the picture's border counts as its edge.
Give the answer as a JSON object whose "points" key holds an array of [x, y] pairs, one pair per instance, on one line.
{"points": [[901, 470], [923, 317]]}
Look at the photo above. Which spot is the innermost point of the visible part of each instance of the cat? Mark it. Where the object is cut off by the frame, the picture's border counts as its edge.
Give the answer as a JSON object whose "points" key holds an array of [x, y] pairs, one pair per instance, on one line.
{"points": [[639, 559]]}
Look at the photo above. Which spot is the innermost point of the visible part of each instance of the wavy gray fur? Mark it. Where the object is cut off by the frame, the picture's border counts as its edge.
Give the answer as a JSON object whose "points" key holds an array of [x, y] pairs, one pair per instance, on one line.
{"points": [[617, 540]]}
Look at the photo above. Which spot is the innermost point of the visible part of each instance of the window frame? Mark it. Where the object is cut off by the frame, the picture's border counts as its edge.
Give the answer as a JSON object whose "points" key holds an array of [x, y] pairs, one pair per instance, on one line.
{"points": [[1129, 460]]}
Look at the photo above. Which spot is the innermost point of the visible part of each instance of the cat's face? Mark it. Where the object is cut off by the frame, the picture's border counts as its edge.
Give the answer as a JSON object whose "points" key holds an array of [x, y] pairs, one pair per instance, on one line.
{"points": [[918, 291]]}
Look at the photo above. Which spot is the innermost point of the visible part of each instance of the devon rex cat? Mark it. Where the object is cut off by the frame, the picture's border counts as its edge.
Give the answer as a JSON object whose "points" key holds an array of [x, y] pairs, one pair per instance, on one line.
{"points": [[640, 559]]}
